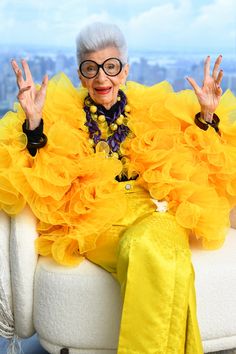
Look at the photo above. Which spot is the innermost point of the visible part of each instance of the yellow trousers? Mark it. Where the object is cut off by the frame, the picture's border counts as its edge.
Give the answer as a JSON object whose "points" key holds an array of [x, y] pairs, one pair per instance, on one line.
{"points": [[148, 253]]}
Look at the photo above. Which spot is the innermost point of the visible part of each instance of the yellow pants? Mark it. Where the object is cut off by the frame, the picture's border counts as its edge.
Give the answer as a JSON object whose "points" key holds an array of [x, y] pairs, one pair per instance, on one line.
{"points": [[148, 253]]}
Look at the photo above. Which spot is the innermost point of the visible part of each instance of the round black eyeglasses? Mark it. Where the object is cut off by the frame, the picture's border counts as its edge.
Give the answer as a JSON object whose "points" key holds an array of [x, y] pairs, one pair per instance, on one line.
{"points": [[111, 67]]}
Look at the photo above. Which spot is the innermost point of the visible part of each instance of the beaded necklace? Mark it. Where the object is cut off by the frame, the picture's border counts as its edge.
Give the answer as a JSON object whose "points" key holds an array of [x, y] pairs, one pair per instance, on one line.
{"points": [[107, 132]]}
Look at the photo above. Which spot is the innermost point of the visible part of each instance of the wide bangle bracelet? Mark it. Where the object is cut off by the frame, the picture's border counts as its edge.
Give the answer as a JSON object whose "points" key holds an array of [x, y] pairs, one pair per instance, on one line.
{"points": [[38, 144], [205, 125]]}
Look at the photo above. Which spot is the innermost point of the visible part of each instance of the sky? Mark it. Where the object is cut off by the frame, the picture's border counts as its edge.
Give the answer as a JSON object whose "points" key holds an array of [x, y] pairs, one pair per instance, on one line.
{"points": [[149, 25]]}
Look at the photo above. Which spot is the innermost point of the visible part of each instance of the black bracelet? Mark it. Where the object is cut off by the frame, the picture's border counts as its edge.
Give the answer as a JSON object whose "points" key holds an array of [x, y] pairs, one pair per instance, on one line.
{"points": [[205, 125], [38, 144], [36, 138]]}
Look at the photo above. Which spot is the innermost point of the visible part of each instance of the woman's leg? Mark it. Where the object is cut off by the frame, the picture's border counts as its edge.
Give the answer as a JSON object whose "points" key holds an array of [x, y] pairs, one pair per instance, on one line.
{"points": [[153, 263], [138, 205], [157, 282], [105, 253]]}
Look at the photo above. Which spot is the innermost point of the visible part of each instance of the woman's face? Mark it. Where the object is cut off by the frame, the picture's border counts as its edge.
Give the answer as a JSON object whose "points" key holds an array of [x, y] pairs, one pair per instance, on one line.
{"points": [[103, 89]]}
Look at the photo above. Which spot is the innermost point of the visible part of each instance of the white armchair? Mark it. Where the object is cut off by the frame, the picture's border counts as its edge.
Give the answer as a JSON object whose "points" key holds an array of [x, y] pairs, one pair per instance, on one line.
{"points": [[77, 310]]}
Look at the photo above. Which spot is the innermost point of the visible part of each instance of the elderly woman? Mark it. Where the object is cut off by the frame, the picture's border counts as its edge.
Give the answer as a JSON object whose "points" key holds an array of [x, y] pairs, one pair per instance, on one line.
{"points": [[124, 175]]}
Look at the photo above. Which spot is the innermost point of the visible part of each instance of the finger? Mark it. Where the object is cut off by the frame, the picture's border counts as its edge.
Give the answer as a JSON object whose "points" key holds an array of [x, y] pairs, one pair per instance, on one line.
{"points": [[27, 71], [219, 77], [18, 73], [14, 65], [194, 85], [44, 85], [216, 67], [207, 67], [218, 90], [45, 80], [22, 91], [19, 78]]}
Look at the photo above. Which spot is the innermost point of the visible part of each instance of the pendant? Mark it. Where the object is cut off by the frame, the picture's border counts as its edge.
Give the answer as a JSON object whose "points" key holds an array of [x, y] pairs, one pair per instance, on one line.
{"points": [[102, 146]]}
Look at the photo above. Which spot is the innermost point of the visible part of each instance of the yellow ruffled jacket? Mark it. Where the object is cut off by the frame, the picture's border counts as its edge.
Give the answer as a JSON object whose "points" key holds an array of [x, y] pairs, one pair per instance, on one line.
{"points": [[73, 191]]}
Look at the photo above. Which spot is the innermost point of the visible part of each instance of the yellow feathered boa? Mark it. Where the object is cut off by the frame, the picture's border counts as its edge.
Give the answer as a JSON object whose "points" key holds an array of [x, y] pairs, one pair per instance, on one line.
{"points": [[72, 190]]}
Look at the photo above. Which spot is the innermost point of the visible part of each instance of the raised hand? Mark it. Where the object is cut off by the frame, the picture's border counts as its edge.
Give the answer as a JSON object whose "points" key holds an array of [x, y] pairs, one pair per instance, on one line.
{"points": [[31, 100], [209, 94]]}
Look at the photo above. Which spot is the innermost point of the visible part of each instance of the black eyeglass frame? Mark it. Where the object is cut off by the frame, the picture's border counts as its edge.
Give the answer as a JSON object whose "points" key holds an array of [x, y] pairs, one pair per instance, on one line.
{"points": [[101, 66]]}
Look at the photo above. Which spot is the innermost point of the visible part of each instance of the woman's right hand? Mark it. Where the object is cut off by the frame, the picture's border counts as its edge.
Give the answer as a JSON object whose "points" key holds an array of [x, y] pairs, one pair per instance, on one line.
{"points": [[31, 100]]}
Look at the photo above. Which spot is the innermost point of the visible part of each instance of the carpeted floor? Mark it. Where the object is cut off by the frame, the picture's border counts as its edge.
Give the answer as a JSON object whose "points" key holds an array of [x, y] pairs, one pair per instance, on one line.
{"points": [[32, 346], [29, 346]]}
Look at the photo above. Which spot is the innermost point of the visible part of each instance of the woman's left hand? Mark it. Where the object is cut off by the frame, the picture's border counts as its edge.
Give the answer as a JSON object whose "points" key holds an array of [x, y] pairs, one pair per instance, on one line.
{"points": [[210, 93]]}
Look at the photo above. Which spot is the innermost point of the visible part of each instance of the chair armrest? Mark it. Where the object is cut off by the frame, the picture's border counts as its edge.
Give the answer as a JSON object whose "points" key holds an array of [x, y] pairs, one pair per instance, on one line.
{"points": [[23, 261], [6, 316]]}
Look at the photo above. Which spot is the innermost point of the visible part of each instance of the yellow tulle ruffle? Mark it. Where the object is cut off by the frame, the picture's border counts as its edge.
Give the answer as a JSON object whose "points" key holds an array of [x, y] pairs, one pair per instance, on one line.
{"points": [[73, 192], [193, 169]]}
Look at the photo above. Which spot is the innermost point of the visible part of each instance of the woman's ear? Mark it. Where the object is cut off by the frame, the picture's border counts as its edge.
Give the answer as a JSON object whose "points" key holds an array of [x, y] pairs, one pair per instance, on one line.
{"points": [[125, 73], [82, 80]]}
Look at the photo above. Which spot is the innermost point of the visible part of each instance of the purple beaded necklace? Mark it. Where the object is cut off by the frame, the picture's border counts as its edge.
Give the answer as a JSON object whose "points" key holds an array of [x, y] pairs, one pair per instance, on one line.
{"points": [[116, 121]]}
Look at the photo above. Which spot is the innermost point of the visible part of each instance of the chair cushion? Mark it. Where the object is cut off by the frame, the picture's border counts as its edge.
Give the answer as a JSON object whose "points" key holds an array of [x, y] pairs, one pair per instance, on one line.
{"points": [[80, 307], [76, 307]]}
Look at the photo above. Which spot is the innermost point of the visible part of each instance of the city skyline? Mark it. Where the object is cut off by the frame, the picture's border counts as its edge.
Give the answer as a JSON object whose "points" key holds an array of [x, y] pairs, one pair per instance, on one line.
{"points": [[178, 25], [145, 68]]}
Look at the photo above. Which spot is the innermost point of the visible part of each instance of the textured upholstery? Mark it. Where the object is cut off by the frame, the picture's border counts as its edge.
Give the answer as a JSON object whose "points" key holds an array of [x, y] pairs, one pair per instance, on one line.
{"points": [[216, 294], [81, 306]]}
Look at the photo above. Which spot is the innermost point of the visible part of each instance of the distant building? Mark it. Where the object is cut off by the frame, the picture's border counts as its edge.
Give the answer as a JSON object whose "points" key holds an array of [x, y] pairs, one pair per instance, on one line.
{"points": [[146, 74]]}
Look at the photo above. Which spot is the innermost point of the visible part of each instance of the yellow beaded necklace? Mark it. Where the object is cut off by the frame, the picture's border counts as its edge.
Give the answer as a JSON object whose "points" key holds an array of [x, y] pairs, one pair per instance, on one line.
{"points": [[107, 131]]}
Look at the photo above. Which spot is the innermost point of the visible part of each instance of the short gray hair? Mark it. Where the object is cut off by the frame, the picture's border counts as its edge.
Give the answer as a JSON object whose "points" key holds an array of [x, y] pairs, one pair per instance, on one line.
{"points": [[97, 36]]}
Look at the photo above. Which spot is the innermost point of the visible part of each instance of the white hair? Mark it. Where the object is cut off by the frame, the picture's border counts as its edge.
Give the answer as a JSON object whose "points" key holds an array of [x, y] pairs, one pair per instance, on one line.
{"points": [[99, 36]]}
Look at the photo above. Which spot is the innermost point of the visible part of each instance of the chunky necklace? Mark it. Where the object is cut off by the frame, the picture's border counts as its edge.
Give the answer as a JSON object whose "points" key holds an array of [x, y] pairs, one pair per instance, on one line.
{"points": [[106, 133]]}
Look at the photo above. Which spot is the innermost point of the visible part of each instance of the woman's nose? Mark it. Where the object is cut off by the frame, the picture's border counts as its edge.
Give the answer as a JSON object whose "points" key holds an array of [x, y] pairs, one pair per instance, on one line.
{"points": [[101, 75]]}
